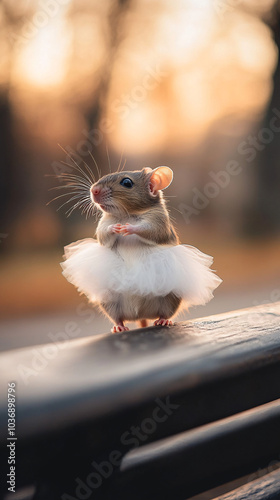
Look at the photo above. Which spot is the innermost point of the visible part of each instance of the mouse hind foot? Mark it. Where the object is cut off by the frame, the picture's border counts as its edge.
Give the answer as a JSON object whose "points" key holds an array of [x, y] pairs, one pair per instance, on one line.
{"points": [[119, 327], [163, 322]]}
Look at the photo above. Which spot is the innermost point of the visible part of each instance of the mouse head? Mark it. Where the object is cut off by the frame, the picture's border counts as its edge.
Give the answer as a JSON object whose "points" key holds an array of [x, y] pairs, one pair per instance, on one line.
{"points": [[131, 192]]}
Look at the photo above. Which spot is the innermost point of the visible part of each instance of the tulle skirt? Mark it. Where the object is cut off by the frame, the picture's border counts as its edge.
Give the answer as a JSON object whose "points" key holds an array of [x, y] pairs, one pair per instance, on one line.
{"points": [[142, 270]]}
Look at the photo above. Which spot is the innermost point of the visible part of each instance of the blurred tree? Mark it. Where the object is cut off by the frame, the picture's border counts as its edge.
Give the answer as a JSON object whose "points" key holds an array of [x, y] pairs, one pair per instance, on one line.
{"points": [[10, 172], [114, 35], [267, 209]]}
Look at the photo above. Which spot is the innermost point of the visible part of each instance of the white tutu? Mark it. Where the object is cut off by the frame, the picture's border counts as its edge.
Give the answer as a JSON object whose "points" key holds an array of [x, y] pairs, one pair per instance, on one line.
{"points": [[100, 272]]}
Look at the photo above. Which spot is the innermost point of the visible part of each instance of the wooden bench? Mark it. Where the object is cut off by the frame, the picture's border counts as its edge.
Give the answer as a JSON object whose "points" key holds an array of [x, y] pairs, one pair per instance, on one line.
{"points": [[157, 413]]}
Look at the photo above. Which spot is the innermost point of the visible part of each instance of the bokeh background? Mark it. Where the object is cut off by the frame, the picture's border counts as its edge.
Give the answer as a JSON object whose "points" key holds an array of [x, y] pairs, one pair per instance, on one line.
{"points": [[193, 84]]}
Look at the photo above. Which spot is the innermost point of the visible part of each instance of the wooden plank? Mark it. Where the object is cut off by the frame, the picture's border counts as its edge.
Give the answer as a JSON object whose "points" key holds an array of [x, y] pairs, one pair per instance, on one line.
{"points": [[199, 459], [89, 377], [74, 401], [264, 488]]}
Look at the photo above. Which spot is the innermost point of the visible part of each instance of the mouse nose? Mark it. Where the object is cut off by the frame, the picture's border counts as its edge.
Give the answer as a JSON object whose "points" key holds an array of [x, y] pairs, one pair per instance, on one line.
{"points": [[95, 191]]}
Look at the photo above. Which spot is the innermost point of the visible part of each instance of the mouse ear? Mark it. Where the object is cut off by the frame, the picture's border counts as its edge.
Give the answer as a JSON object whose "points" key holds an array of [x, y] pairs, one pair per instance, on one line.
{"points": [[161, 178]]}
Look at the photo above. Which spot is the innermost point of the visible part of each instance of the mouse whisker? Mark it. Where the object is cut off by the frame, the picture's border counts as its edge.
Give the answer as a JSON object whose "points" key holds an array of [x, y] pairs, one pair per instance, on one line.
{"points": [[71, 158], [90, 172], [75, 181], [70, 165], [77, 193], [85, 177], [95, 163], [86, 205], [73, 174], [71, 199], [70, 185], [123, 166], [91, 175], [90, 211], [120, 162], [80, 187], [85, 209], [97, 215], [109, 162], [75, 166], [86, 201], [65, 175], [178, 210], [76, 205]]}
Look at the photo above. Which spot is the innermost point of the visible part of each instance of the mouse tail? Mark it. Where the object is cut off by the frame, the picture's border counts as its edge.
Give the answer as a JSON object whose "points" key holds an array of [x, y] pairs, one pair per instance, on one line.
{"points": [[143, 323]]}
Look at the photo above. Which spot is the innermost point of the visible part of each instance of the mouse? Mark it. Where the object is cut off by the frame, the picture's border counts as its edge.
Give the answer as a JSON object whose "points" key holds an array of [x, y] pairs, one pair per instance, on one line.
{"points": [[136, 269]]}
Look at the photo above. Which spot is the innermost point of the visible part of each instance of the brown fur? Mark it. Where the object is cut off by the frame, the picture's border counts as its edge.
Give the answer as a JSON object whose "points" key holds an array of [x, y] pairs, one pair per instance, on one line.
{"points": [[146, 208], [135, 307], [135, 205]]}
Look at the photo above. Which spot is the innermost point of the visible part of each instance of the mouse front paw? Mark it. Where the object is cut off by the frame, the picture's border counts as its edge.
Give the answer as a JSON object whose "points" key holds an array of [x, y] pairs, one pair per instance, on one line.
{"points": [[124, 229], [128, 229], [115, 228]]}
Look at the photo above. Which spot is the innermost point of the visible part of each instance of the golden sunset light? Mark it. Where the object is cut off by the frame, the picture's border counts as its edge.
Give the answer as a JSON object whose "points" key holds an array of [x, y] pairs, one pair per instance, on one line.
{"points": [[139, 249]]}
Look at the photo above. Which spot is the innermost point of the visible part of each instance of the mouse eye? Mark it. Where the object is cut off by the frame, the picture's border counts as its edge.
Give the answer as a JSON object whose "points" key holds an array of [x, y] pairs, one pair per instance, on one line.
{"points": [[126, 182]]}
